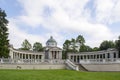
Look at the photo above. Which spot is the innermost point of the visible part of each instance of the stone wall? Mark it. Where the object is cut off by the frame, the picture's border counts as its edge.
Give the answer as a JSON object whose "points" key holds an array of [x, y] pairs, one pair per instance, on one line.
{"points": [[32, 66], [102, 67]]}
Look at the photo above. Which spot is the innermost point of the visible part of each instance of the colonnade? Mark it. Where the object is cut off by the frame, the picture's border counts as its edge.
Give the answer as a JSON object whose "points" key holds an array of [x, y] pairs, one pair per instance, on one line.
{"points": [[55, 55], [17, 55], [93, 56]]}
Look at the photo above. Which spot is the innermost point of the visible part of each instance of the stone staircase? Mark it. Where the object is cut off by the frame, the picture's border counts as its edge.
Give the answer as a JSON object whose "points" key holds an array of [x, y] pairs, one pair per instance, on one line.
{"points": [[70, 65], [81, 68]]}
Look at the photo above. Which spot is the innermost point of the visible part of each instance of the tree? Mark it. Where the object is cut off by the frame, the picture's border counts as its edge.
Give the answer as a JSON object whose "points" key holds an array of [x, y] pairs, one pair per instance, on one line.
{"points": [[4, 42], [66, 48], [107, 44], [95, 49], [80, 39], [85, 48], [26, 45], [73, 45], [37, 47]]}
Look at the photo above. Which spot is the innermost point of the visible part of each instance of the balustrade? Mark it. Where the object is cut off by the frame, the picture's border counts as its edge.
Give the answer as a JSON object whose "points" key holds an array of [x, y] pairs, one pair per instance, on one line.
{"points": [[31, 61]]}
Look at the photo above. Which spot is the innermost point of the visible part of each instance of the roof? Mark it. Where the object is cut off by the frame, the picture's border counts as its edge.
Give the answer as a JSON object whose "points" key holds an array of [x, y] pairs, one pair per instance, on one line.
{"points": [[27, 51], [54, 48], [51, 40]]}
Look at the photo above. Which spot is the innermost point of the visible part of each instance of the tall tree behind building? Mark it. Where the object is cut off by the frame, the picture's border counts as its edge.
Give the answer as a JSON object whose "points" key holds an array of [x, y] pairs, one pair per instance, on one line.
{"points": [[4, 42], [26, 45], [37, 47], [107, 44]]}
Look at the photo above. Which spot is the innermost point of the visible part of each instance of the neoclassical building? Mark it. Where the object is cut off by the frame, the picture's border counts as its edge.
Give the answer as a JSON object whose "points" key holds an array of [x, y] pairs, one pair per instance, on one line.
{"points": [[51, 51], [51, 58], [109, 55]]}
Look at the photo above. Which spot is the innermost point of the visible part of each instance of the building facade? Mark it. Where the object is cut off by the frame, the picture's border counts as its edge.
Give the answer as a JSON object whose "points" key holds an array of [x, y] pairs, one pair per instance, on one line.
{"points": [[51, 51], [109, 55]]}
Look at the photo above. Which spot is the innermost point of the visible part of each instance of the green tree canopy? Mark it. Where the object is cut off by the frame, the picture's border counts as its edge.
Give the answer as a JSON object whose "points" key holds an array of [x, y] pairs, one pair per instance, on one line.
{"points": [[95, 49], [26, 45], [66, 49], [107, 44], [37, 47], [85, 48], [73, 45], [4, 42], [80, 39]]}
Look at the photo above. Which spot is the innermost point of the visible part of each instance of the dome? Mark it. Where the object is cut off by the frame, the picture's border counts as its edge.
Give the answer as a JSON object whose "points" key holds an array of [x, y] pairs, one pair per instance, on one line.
{"points": [[51, 42]]}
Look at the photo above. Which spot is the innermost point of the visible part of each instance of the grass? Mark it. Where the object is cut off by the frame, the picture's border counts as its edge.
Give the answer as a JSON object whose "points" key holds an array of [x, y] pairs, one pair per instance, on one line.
{"points": [[56, 75]]}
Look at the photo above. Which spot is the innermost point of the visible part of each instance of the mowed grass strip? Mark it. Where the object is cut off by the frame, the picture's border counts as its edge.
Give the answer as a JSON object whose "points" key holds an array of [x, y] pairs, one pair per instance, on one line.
{"points": [[57, 75]]}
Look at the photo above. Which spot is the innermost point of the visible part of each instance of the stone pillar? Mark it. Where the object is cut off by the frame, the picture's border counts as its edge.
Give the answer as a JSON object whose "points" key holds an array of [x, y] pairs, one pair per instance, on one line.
{"points": [[96, 57], [21, 55], [38, 57], [57, 54], [17, 55], [13, 55], [73, 58], [41, 57], [60, 55], [50, 55], [28, 56], [117, 55], [24, 56], [31, 56], [53, 54]]}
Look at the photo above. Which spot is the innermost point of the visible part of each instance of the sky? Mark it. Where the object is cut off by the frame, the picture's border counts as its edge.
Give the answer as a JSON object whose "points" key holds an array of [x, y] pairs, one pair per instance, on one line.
{"points": [[37, 20]]}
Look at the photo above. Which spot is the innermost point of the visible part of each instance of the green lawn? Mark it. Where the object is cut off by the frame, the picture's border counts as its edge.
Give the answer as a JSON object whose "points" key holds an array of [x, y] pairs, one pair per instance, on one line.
{"points": [[56, 75]]}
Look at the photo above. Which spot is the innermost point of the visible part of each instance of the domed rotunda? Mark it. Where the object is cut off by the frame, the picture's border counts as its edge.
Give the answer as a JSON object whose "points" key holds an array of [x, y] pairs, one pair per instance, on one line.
{"points": [[51, 42]]}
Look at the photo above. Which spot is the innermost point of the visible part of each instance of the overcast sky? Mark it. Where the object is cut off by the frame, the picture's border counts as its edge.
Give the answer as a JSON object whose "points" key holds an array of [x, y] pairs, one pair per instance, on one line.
{"points": [[37, 20]]}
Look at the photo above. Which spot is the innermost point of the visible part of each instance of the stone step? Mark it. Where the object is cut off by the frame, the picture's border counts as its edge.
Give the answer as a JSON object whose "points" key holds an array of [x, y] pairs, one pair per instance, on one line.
{"points": [[81, 68]]}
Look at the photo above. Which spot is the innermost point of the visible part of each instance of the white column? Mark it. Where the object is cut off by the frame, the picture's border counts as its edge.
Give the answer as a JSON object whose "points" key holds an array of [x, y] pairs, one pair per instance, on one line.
{"points": [[50, 55], [24, 56], [38, 56], [18, 55], [35, 56], [13, 55], [28, 56], [58, 54], [53, 55]]}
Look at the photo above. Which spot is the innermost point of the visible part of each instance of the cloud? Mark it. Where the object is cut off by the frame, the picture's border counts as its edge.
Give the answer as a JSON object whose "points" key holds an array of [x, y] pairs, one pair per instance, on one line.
{"points": [[107, 11], [58, 16], [17, 36]]}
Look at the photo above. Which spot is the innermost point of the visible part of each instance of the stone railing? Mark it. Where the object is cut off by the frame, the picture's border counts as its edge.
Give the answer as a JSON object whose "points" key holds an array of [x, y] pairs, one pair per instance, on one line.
{"points": [[71, 65], [31, 61], [100, 61]]}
